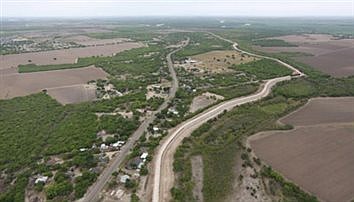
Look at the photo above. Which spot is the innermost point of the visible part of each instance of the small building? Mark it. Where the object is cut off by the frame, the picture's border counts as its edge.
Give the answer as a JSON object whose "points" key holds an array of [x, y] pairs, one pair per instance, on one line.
{"points": [[124, 178], [132, 164], [118, 144], [103, 146], [42, 179], [109, 87], [144, 155], [190, 61]]}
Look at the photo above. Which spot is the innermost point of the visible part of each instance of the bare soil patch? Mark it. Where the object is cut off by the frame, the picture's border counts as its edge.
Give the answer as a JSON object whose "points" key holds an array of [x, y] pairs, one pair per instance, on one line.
{"points": [[73, 94], [242, 188], [63, 56], [203, 101], [329, 54], [58, 83], [197, 177], [317, 154]]}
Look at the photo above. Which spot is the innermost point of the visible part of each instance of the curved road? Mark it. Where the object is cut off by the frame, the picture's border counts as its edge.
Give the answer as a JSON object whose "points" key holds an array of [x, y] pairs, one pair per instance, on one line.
{"points": [[94, 191], [163, 161]]}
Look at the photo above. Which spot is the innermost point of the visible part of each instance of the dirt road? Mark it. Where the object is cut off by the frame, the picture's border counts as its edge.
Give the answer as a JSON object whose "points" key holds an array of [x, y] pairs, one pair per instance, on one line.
{"points": [[94, 191], [163, 161]]}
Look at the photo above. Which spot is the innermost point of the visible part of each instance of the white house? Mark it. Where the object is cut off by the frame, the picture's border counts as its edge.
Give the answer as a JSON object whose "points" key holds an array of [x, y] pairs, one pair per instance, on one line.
{"points": [[144, 155], [118, 144], [189, 60], [41, 179], [103, 146], [124, 178]]}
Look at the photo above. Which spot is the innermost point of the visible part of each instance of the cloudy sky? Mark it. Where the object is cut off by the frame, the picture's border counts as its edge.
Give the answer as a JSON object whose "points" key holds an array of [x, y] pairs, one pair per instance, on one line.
{"points": [[101, 8]]}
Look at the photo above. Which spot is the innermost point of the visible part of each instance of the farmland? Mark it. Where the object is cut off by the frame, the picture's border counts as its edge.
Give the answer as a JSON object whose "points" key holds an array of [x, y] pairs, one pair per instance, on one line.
{"points": [[64, 56], [17, 84], [322, 126], [326, 53]]}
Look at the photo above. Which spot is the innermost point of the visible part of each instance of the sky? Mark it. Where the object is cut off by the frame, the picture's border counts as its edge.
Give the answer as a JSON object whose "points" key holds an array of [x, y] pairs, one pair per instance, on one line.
{"points": [[111, 8]]}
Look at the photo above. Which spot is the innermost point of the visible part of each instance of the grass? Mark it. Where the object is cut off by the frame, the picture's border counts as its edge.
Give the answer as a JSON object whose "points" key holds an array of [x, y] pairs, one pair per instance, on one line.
{"points": [[297, 88]]}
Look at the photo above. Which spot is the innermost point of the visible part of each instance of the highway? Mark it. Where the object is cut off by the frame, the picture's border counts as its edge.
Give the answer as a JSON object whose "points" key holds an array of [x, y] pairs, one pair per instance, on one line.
{"points": [[163, 175], [94, 191]]}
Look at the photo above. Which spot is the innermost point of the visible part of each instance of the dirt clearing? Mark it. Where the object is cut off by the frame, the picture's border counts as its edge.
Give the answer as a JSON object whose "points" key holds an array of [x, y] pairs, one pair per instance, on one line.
{"points": [[216, 61], [197, 177], [317, 154], [203, 101], [14, 85], [73, 94]]}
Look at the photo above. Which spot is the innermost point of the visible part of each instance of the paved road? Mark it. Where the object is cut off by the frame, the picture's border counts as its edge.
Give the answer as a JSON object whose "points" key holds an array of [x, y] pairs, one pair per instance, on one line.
{"points": [[94, 191], [163, 161]]}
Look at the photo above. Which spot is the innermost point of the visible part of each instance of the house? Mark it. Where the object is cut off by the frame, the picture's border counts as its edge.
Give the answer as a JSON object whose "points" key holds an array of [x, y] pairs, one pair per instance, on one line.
{"points": [[190, 61], [42, 179], [118, 144], [144, 155], [124, 178], [103, 146], [108, 87], [133, 163]]}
